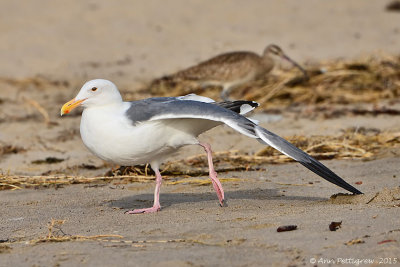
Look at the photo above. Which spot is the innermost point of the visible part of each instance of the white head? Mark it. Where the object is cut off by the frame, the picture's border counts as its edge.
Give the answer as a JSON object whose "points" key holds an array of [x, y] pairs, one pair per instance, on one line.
{"points": [[94, 93]]}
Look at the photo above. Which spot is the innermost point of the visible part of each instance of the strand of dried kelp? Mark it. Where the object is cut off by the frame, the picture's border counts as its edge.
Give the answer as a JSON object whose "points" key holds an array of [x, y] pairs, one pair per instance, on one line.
{"points": [[188, 167], [12, 182], [353, 143], [56, 234], [16, 182]]}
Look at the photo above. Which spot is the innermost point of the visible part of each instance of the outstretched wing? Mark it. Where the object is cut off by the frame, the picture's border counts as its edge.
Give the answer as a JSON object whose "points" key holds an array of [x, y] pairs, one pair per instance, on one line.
{"points": [[172, 108]]}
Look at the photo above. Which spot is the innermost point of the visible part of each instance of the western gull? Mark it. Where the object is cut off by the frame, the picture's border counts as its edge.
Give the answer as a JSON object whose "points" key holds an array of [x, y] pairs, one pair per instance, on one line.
{"points": [[150, 130]]}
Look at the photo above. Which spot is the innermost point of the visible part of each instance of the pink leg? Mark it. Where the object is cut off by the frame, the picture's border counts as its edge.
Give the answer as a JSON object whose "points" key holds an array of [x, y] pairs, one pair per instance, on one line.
{"points": [[156, 206], [213, 175]]}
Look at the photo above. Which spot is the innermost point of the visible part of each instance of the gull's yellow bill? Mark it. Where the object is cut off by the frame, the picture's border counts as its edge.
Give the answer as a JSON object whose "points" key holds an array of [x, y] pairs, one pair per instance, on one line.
{"points": [[70, 105]]}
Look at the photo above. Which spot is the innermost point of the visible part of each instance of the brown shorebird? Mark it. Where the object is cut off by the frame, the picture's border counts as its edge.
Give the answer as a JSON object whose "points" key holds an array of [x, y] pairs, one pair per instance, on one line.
{"points": [[230, 70]]}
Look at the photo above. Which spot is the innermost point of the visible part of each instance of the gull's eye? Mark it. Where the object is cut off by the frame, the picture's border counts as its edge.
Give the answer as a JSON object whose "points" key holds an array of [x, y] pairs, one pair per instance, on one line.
{"points": [[94, 89]]}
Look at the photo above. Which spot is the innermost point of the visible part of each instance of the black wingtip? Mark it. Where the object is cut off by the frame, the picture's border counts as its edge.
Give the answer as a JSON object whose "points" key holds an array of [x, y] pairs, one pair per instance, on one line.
{"points": [[355, 191], [302, 157], [236, 105], [320, 169]]}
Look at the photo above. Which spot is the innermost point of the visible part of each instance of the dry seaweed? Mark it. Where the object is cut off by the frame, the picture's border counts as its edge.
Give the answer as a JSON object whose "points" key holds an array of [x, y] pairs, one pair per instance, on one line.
{"points": [[38, 81], [4, 248], [10, 149], [41, 110], [16, 182], [367, 79], [201, 181], [353, 143], [354, 241], [330, 112], [194, 166], [56, 234]]}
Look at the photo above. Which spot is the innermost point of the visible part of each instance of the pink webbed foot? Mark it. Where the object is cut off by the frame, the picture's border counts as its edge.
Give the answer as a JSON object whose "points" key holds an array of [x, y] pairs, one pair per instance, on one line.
{"points": [[147, 210], [156, 206], [219, 190]]}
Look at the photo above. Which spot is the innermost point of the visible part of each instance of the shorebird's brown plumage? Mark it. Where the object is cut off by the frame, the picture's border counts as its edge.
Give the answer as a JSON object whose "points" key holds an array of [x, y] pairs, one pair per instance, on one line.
{"points": [[232, 69]]}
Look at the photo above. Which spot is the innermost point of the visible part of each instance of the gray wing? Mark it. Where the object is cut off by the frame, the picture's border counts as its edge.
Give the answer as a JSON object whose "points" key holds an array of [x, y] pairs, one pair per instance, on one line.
{"points": [[171, 108], [174, 108]]}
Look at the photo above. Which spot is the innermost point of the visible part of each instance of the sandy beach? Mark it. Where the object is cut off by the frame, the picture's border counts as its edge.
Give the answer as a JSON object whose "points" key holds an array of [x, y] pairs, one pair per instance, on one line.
{"points": [[58, 207]]}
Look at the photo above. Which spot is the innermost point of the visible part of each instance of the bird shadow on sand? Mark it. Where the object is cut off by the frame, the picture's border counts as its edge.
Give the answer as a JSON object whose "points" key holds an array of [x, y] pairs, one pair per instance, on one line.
{"points": [[169, 199]]}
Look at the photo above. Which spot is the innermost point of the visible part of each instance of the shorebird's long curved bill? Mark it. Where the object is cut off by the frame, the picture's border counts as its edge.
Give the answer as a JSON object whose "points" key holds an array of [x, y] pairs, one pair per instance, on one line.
{"points": [[294, 63]]}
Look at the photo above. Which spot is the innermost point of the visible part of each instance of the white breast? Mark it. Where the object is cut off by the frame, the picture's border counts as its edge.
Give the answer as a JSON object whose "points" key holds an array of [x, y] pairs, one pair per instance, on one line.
{"points": [[110, 135]]}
